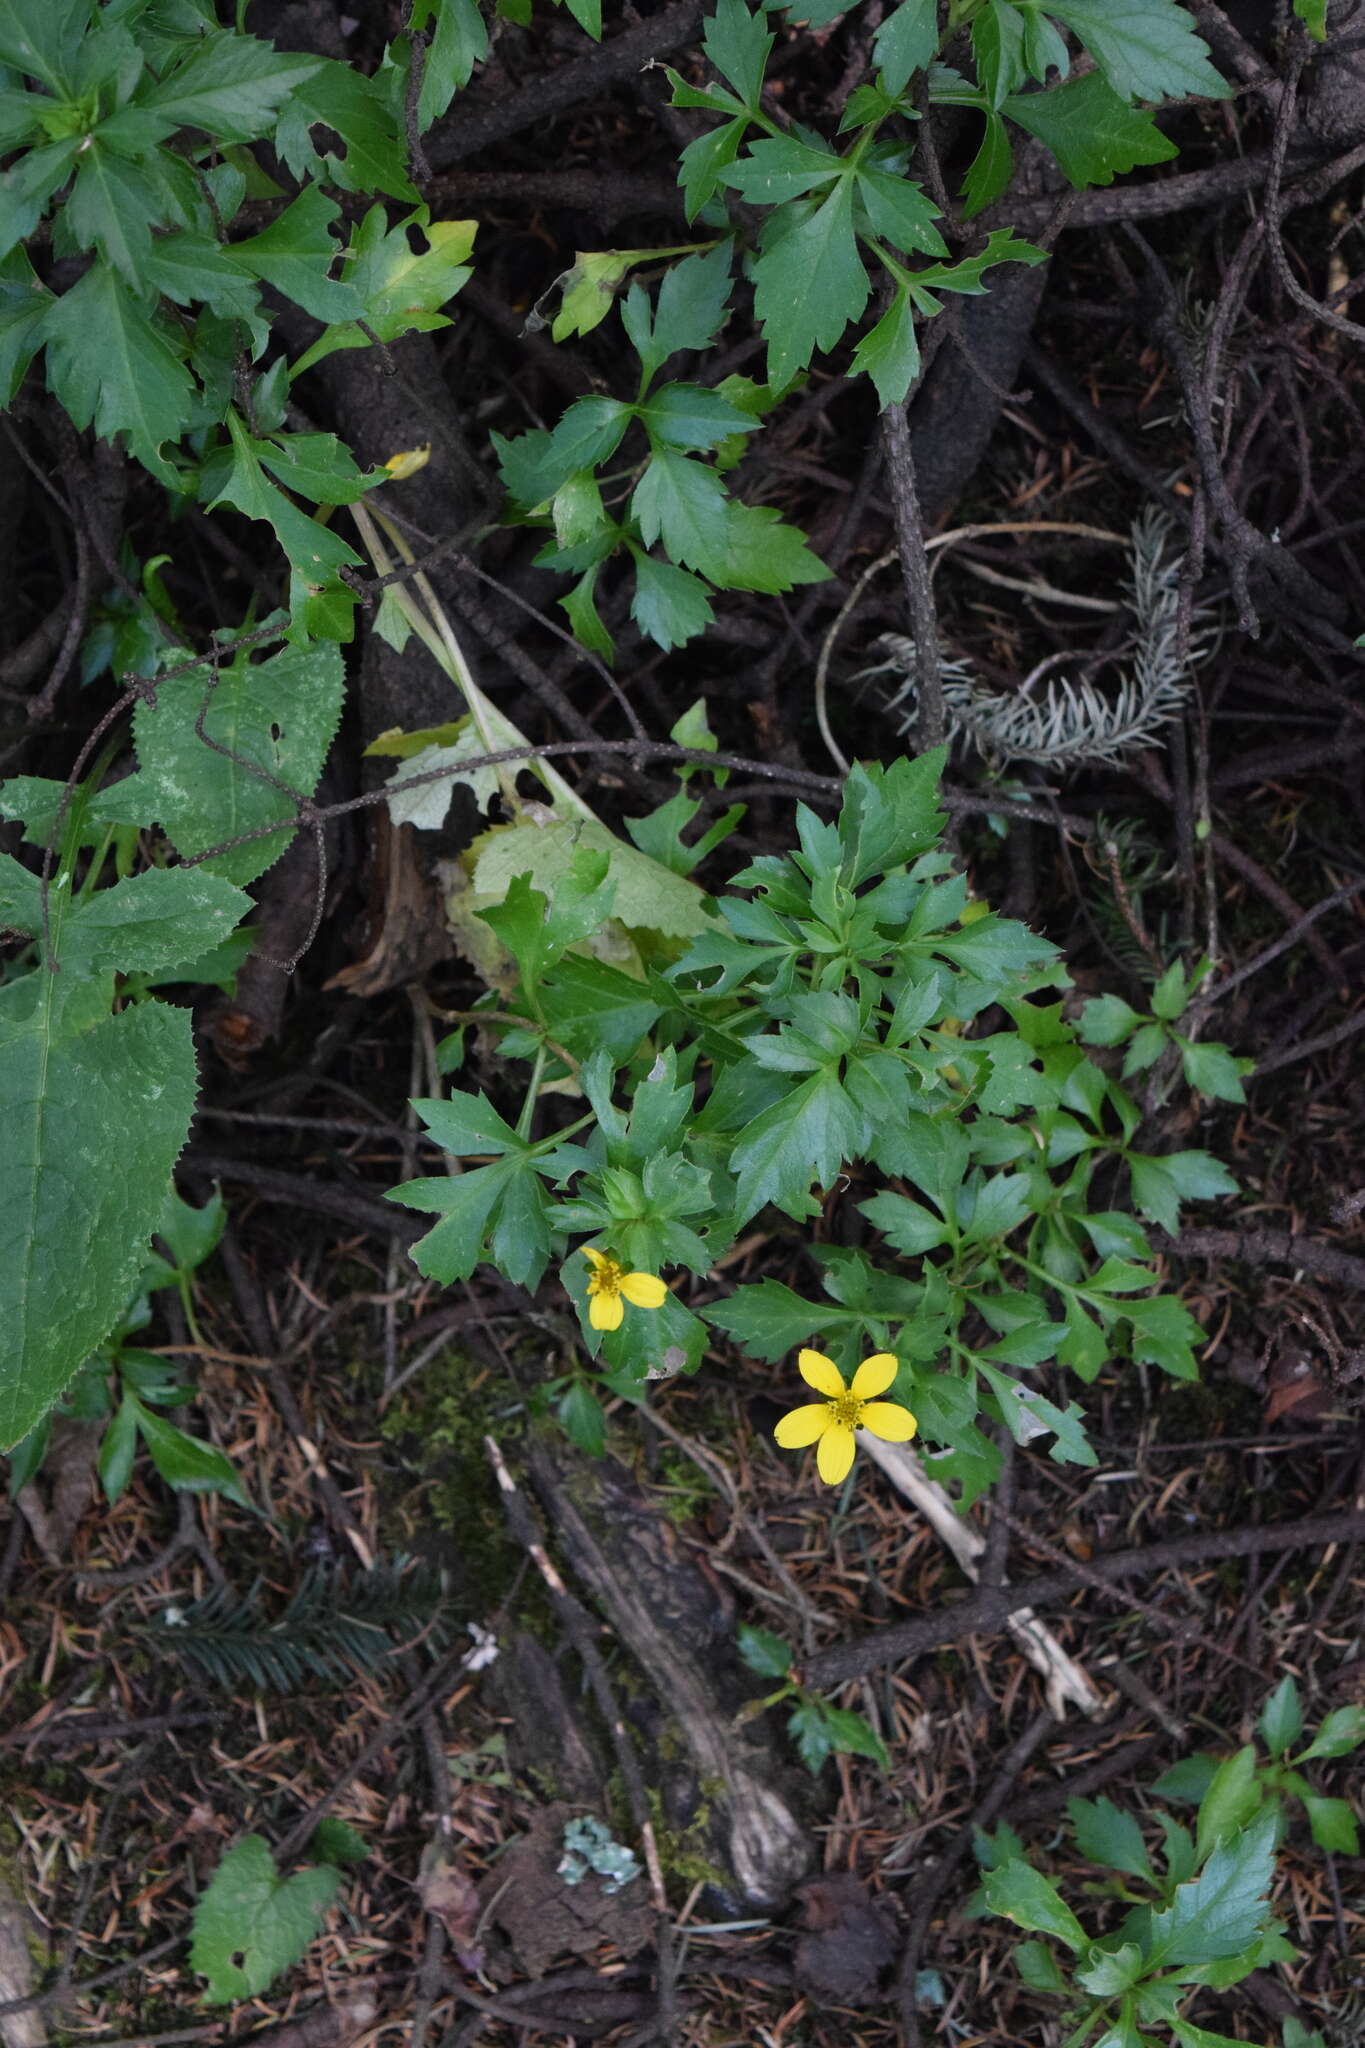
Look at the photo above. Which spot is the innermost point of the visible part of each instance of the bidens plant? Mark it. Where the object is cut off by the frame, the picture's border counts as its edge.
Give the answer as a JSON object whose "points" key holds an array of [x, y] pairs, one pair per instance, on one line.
{"points": [[853, 1043]]}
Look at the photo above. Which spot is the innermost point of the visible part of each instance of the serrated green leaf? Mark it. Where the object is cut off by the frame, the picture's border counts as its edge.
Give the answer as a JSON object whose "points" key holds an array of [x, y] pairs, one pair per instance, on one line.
{"points": [[356, 109], [670, 605], [1212, 1069], [989, 171], [759, 551], [1107, 1973], [229, 85], [1342, 1731], [335, 1841], [906, 42], [1313, 15], [72, 1232], [691, 303], [998, 46], [706, 159], [152, 921], [459, 43], [689, 416], [116, 367], [1093, 132], [316, 555], [889, 352], [1107, 1020], [399, 292], [277, 716], [683, 503], [296, 253], [23, 310], [648, 897], [118, 1448], [1222, 1910], [1233, 1796], [763, 1652], [1018, 1892], [1147, 49], [737, 43], [768, 1320], [800, 1142], [44, 42], [1332, 1824], [250, 1924], [809, 281]]}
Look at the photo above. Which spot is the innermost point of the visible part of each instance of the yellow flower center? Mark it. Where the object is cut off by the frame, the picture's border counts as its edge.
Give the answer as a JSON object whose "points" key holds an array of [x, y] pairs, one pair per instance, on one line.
{"points": [[846, 1411], [606, 1279]]}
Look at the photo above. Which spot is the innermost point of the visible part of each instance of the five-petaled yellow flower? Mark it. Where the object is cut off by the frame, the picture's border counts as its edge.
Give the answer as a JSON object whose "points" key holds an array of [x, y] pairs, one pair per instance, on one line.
{"points": [[830, 1423], [609, 1285]]}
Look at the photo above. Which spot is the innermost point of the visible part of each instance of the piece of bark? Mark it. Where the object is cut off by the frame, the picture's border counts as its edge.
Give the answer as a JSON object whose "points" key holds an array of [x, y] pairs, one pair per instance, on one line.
{"points": [[17, 2029], [846, 1953], [665, 1612], [548, 1744], [544, 1916]]}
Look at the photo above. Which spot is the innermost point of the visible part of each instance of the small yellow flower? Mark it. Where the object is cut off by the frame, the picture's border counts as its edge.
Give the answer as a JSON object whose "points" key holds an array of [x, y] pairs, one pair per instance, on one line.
{"points": [[830, 1423], [609, 1285]]}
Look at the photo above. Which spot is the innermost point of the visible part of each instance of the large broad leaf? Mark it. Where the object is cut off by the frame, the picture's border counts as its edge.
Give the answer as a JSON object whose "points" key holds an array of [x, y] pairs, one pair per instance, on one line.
{"points": [[252, 1924], [93, 1123], [276, 719], [1221, 1911]]}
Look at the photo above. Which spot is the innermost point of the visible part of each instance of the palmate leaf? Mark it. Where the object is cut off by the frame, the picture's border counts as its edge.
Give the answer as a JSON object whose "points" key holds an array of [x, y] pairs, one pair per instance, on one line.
{"points": [[94, 1120], [117, 367]]}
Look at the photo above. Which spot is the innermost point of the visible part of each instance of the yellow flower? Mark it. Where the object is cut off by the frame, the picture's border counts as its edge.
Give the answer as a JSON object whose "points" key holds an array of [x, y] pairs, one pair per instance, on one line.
{"points": [[609, 1285], [830, 1423]]}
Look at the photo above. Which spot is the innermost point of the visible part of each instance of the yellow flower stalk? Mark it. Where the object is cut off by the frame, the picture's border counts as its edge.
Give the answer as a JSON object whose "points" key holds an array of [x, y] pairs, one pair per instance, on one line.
{"points": [[610, 1286], [830, 1424]]}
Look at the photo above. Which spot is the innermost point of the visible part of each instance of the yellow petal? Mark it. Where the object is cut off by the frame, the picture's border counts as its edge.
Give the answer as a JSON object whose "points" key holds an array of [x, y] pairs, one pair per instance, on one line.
{"points": [[835, 1454], [821, 1373], [875, 1375], [802, 1426], [408, 461], [605, 1311], [888, 1420], [595, 1259], [643, 1290]]}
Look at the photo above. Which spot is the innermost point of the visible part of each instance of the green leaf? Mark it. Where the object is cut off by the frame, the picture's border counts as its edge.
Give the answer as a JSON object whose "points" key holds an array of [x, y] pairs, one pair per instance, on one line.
{"points": [[689, 416], [1147, 49], [800, 1141], [968, 275], [706, 159], [1233, 1796], [809, 281], [296, 253], [1332, 1824], [335, 1841], [1038, 1967], [850, 1735], [889, 352], [278, 717], [1313, 15], [1341, 1732], [496, 1211], [670, 605], [114, 205], [998, 46], [1108, 1835], [316, 555], [152, 921], [399, 292], [250, 1924], [1281, 1722], [690, 307], [684, 504], [1212, 1069], [899, 211], [583, 1420], [44, 42], [118, 1447], [1107, 1020], [906, 43], [1164, 1333], [1221, 1911], [23, 310], [1160, 1185], [767, 1320], [766, 1654], [1018, 1892], [738, 44], [908, 1226], [648, 897], [1093, 132], [1188, 1780], [989, 171], [1110, 1972], [185, 1462], [759, 551], [73, 1232], [459, 43], [229, 85], [113, 365]]}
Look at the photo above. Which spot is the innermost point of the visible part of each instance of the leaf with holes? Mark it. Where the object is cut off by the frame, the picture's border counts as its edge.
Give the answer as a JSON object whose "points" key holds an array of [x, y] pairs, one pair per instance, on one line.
{"points": [[251, 1924], [270, 725]]}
